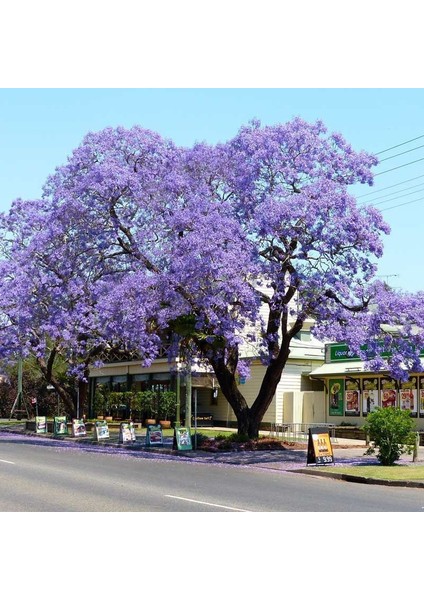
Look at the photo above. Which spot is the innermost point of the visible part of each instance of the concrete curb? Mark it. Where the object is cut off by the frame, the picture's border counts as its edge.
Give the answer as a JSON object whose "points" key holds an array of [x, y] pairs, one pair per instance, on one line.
{"points": [[360, 479]]}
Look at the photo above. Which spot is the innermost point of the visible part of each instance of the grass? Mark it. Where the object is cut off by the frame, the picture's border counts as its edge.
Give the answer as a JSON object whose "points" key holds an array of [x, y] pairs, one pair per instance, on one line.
{"points": [[394, 473]]}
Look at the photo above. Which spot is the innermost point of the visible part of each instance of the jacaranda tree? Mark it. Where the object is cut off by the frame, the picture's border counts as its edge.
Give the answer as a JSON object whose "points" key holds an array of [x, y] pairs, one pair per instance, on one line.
{"points": [[213, 247]]}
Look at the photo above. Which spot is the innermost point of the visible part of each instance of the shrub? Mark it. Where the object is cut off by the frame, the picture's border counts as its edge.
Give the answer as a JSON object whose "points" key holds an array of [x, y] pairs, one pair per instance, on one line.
{"points": [[391, 432]]}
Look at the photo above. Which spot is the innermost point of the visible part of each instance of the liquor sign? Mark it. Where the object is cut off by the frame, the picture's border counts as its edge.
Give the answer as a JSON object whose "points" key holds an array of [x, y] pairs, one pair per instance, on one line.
{"points": [[126, 433], [78, 428], [101, 430], [60, 426], [320, 450], [182, 438], [41, 424], [154, 435]]}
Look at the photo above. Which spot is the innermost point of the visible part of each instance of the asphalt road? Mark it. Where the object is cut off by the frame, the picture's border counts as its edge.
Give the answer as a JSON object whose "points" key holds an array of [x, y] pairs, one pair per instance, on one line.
{"points": [[54, 476]]}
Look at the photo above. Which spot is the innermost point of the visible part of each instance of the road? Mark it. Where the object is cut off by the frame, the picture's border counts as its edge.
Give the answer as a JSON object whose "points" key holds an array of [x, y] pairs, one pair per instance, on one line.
{"points": [[55, 476]]}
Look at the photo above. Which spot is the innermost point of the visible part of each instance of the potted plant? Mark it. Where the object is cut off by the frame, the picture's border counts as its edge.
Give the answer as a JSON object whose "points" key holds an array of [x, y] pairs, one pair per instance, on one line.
{"points": [[149, 406], [166, 409]]}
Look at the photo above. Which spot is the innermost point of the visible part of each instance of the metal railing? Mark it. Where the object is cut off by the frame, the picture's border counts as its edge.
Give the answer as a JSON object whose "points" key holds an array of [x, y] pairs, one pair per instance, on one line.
{"points": [[299, 431]]}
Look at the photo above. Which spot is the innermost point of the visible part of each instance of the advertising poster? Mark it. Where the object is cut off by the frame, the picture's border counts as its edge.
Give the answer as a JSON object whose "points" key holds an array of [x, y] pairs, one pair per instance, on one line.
{"points": [[388, 392], [60, 426], [154, 435], [41, 424], [352, 395], [182, 438], [320, 450], [421, 396], [78, 428], [125, 433], [101, 430], [336, 393], [369, 395], [408, 395]]}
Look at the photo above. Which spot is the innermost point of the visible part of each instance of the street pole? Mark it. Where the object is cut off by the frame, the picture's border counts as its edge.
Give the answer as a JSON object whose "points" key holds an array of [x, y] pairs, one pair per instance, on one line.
{"points": [[178, 407], [188, 398]]}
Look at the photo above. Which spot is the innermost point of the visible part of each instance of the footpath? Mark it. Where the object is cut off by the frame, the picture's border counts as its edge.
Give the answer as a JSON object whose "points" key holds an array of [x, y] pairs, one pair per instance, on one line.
{"points": [[347, 453]]}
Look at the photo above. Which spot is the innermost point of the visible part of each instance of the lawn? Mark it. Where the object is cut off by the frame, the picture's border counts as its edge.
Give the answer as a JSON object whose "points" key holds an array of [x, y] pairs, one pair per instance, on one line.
{"points": [[394, 473]]}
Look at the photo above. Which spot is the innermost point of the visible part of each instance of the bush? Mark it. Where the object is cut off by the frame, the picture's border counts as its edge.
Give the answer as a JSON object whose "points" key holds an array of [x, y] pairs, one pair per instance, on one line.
{"points": [[391, 432]]}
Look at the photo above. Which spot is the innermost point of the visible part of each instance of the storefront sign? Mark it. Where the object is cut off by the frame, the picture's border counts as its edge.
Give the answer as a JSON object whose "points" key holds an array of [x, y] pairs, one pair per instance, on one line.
{"points": [[388, 392], [336, 395], [41, 424], [60, 426], [352, 398], [408, 395], [78, 428], [182, 438], [101, 430], [369, 395], [320, 451], [154, 435]]}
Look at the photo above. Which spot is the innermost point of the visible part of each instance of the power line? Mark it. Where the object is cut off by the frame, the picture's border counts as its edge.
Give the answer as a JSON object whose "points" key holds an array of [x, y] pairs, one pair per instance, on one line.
{"points": [[401, 153], [399, 167], [373, 203], [398, 145], [403, 204], [389, 187]]}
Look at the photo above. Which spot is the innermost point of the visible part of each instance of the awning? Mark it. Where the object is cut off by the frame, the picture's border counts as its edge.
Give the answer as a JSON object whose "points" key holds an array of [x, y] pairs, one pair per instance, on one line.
{"points": [[346, 368]]}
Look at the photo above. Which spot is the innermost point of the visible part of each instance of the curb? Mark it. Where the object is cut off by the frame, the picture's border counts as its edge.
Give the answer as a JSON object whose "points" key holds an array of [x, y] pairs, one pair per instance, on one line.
{"points": [[361, 479]]}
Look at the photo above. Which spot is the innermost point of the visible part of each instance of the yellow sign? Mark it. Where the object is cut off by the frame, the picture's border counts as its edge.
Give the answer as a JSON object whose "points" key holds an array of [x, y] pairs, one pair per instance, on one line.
{"points": [[320, 450]]}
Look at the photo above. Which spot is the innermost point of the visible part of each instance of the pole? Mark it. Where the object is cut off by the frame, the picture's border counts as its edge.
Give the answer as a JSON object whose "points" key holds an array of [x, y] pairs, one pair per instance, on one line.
{"points": [[178, 407], [195, 418], [188, 398]]}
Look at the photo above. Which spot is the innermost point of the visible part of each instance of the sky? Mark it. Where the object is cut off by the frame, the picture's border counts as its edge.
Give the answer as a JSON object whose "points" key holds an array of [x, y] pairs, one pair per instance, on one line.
{"points": [[39, 128]]}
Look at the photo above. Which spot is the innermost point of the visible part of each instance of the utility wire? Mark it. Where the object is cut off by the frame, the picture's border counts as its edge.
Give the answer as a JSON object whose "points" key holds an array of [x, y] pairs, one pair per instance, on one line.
{"points": [[398, 145], [399, 167], [401, 153], [389, 187], [403, 204], [373, 203]]}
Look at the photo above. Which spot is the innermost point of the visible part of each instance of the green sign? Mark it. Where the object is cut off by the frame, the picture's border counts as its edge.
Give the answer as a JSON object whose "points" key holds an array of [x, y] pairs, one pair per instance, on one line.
{"points": [[154, 435], [182, 438], [336, 395], [60, 426], [41, 424], [340, 353]]}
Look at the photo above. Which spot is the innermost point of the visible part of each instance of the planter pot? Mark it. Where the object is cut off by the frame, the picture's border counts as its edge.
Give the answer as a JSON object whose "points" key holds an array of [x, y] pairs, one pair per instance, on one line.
{"points": [[150, 422], [109, 419], [165, 424]]}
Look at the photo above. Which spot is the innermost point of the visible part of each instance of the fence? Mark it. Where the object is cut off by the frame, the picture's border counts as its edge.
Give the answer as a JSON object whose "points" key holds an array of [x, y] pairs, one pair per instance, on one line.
{"points": [[299, 431]]}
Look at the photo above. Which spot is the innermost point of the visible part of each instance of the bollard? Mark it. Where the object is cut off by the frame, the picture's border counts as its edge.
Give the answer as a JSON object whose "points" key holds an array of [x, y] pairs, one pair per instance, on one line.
{"points": [[416, 446]]}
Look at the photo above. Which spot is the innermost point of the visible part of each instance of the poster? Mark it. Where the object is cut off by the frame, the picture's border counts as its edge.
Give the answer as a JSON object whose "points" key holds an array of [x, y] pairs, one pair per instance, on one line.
{"points": [[40, 424], [369, 395], [352, 395], [126, 433], [320, 450], [388, 392], [182, 438], [78, 428], [421, 396], [60, 426], [101, 430], [408, 395], [336, 392], [154, 435]]}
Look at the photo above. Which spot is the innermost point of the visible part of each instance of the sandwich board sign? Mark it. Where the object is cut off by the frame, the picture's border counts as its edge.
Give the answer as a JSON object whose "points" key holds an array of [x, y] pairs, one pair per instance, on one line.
{"points": [[320, 450], [101, 430], [78, 428], [41, 424], [126, 433], [182, 438], [154, 435], [60, 426]]}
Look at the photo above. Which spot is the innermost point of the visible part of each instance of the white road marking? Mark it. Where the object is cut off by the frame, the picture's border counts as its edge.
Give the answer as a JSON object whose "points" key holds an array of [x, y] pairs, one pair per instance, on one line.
{"points": [[7, 461], [207, 503]]}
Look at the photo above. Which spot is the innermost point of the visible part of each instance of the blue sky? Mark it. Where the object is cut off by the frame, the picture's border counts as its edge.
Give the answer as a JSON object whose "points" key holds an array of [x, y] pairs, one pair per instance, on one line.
{"points": [[39, 128]]}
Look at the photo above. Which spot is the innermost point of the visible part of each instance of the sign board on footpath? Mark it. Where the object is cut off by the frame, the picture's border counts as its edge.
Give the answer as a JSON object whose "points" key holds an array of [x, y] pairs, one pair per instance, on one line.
{"points": [[41, 424], [101, 430], [154, 436], [60, 426], [78, 428], [320, 450], [182, 439], [126, 433]]}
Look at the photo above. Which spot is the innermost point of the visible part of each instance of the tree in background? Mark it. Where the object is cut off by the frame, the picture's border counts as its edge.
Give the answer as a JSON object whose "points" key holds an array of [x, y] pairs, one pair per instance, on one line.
{"points": [[213, 247]]}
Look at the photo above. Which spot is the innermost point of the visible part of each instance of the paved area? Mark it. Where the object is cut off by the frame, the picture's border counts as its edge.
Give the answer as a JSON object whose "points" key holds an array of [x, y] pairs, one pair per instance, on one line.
{"points": [[347, 453]]}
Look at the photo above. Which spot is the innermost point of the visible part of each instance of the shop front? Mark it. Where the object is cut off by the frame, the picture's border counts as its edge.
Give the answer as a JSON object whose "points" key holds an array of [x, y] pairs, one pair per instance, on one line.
{"points": [[352, 391]]}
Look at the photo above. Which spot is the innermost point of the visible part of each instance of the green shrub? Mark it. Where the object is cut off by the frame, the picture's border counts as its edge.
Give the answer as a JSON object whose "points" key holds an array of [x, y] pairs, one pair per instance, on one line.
{"points": [[391, 432]]}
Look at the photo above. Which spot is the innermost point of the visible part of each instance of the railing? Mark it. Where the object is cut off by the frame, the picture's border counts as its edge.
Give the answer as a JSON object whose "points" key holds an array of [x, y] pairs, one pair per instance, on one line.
{"points": [[299, 431]]}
